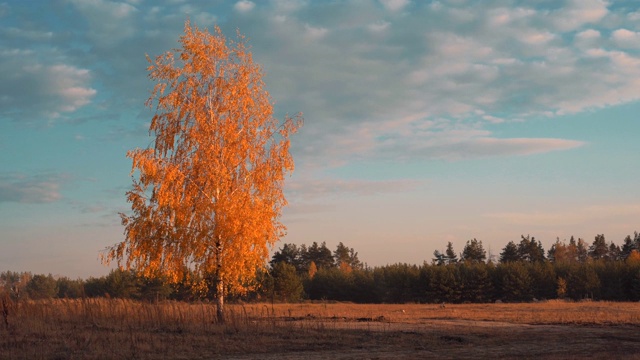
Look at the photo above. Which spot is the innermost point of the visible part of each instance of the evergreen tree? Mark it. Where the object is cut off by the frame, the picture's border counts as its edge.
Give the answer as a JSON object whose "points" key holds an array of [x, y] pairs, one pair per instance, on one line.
{"points": [[599, 249], [530, 250], [475, 282], [628, 246], [583, 282], [42, 287], [289, 254], [474, 252], [69, 289], [543, 280], [446, 258], [320, 255], [451, 256], [514, 282], [287, 285], [615, 253], [444, 284], [633, 280], [439, 258], [582, 252], [510, 253], [612, 280], [346, 258], [400, 282], [122, 284]]}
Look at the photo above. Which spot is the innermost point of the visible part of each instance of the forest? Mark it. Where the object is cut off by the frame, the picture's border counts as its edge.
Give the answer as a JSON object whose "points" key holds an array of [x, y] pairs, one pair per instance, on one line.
{"points": [[523, 272]]}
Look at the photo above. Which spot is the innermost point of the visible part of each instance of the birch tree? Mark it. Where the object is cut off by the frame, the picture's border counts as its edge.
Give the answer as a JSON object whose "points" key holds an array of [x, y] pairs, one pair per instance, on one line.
{"points": [[207, 193]]}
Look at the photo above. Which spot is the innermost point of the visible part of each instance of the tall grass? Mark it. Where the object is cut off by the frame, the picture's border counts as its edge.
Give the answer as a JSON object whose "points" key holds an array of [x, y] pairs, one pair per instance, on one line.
{"points": [[98, 328]]}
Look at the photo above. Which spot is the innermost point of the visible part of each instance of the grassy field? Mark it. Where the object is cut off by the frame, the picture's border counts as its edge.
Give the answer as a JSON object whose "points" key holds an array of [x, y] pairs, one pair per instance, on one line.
{"points": [[123, 329]]}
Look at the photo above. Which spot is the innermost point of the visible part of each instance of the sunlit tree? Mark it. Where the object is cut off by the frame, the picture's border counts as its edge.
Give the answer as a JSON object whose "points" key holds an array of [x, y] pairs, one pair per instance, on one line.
{"points": [[474, 251], [346, 258], [209, 191]]}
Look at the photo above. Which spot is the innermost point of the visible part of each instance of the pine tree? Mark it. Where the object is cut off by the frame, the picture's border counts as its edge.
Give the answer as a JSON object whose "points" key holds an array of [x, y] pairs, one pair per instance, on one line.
{"points": [[510, 253], [599, 249], [320, 255], [346, 258], [474, 251], [452, 258], [582, 252]]}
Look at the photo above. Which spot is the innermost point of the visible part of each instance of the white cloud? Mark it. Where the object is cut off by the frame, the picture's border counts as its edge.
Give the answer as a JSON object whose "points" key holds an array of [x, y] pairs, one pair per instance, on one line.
{"points": [[244, 6], [315, 33], [538, 38], [503, 16], [626, 39], [68, 83], [109, 22], [588, 38], [468, 143], [31, 89], [439, 61], [578, 13]]}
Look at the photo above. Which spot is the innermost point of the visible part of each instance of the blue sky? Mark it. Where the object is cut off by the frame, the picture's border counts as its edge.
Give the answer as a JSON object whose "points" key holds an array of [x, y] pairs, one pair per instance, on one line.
{"points": [[425, 121]]}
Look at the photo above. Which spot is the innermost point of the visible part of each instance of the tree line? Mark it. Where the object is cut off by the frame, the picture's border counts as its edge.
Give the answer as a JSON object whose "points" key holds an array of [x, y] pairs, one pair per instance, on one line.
{"points": [[523, 272]]}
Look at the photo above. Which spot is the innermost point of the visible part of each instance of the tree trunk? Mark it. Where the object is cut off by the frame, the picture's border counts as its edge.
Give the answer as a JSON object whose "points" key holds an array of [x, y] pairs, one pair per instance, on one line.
{"points": [[220, 300], [219, 283]]}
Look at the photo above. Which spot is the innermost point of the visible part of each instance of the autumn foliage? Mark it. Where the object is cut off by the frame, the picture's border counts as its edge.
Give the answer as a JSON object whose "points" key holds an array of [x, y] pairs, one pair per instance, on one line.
{"points": [[209, 191]]}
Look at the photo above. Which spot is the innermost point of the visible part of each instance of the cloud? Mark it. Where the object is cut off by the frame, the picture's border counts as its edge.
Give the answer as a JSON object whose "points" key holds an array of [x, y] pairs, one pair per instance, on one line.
{"points": [[109, 22], [578, 13], [489, 147], [33, 189], [442, 140], [626, 39], [357, 71], [315, 33], [587, 38], [244, 6], [379, 27], [28, 34], [325, 188], [394, 5], [31, 89]]}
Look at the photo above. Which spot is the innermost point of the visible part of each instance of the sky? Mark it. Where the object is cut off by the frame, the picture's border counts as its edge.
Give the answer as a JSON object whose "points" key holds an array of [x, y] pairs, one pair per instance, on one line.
{"points": [[425, 121]]}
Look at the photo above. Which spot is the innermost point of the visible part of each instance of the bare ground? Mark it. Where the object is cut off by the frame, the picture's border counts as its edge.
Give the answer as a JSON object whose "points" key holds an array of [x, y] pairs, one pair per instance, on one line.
{"points": [[114, 329], [461, 339]]}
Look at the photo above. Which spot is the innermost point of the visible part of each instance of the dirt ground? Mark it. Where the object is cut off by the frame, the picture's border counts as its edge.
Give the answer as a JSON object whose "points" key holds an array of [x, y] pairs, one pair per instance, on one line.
{"points": [[122, 329], [462, 339]]}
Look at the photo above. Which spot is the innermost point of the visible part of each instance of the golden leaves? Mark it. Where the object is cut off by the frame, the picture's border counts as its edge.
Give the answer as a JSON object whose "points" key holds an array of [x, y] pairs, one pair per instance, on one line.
{"points": [[209, 193]]}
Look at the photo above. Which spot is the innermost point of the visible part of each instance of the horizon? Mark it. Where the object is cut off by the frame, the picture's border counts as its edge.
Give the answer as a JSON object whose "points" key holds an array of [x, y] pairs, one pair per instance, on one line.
{"points": [[425, 122]]}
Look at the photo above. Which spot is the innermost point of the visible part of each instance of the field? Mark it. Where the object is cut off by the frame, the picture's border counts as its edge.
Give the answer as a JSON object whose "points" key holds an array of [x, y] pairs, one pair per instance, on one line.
{"points": [[123, 329]]}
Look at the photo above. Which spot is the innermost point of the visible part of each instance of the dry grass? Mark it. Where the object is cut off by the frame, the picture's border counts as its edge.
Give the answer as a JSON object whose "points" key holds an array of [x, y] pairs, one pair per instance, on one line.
{"points": [[123, 329]]}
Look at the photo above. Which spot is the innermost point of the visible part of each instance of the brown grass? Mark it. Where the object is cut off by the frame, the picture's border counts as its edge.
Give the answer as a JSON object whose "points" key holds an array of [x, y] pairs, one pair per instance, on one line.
{"points": [[123, 329]]}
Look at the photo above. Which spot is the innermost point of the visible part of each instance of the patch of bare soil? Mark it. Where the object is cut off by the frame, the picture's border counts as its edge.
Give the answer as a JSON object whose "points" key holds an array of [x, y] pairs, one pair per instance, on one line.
{"points": [[462, 339]]}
